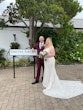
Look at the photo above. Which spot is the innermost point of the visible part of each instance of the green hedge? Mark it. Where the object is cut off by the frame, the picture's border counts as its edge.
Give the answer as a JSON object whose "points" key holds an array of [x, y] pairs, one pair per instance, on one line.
{"points": [[70, 48]]}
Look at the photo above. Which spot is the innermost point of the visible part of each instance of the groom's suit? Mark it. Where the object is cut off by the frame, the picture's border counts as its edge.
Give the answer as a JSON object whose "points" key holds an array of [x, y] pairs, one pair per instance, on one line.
{"points": [[40, 62]]}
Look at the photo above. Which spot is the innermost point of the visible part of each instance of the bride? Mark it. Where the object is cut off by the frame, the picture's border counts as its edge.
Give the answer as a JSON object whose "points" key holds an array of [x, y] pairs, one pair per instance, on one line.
{"points": [[53, 86]]}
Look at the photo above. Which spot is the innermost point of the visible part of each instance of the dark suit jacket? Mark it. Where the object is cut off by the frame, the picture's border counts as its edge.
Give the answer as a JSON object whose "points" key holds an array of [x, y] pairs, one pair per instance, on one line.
{"points": [[36, 46]]}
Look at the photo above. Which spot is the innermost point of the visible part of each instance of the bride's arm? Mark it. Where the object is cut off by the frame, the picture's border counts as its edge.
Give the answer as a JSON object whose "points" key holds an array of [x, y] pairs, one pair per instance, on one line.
{"points": [[52, 52]]}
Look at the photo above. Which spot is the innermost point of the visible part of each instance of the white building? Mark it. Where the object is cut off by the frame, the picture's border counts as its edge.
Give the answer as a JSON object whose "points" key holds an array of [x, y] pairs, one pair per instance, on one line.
{"points": [[6, 34], [6, 37]]}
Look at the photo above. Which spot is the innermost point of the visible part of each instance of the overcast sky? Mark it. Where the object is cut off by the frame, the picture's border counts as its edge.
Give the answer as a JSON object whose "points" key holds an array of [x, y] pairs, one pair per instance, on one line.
{"points": [[5, 3], [80, 15]]}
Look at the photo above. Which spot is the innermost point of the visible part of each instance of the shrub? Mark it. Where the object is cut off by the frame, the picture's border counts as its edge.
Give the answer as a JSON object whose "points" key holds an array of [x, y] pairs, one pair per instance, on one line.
{"points": [[14, 45], [2, 59], [69, 49], [20, 62]]}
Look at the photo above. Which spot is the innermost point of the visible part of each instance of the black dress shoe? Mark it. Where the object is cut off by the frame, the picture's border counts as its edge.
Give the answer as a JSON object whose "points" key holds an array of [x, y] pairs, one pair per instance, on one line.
{"points": [[35, 82]]}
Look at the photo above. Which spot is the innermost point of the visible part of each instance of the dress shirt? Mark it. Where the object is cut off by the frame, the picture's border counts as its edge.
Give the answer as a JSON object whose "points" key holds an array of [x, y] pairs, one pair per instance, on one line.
{"points": [[41, 44]]}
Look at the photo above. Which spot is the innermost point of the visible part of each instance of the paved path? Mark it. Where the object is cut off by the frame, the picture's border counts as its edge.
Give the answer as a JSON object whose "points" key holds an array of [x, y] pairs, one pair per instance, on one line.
{"points": [[20, 94]]}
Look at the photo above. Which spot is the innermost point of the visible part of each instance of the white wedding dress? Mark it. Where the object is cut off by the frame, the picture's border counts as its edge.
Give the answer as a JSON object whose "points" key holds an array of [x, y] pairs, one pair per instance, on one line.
{"points": [[55, 87]]}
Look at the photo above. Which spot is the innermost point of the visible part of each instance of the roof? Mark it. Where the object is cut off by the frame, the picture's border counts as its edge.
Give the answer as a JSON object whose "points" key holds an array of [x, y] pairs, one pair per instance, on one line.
{"points": [[78, 23]]}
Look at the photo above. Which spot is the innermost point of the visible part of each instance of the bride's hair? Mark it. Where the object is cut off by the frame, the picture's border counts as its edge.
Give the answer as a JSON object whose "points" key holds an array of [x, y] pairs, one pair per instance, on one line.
{"points": [[50, 41]]}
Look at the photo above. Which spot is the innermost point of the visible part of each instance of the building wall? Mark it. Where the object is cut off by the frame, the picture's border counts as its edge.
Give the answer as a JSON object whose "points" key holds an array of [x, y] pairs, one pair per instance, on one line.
{"points": [[6, 37]]}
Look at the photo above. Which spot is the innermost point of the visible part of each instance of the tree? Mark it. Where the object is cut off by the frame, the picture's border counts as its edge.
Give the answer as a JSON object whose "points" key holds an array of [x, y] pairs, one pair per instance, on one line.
{"points": [[2, 23], [46, 11]]}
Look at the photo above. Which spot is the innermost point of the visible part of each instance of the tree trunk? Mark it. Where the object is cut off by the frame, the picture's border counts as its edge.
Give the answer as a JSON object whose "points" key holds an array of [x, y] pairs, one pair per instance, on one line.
{"points": [[31, 32]]}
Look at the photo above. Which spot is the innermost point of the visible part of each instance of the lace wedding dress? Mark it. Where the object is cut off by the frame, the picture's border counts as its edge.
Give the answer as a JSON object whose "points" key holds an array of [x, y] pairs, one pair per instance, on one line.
{"points": [[55, 87]]}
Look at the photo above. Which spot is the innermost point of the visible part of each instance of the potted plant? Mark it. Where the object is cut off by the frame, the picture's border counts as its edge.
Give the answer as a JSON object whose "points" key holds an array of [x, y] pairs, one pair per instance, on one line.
{"points": [[14, 45]]}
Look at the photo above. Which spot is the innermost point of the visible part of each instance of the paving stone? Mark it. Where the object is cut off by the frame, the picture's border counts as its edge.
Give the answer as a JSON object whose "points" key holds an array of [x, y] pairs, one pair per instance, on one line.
{"points": [[19, 94]]}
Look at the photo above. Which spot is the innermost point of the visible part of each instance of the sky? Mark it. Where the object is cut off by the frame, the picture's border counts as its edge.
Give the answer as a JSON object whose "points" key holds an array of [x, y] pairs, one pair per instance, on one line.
{"points": [[80, 15], [5, 3]]}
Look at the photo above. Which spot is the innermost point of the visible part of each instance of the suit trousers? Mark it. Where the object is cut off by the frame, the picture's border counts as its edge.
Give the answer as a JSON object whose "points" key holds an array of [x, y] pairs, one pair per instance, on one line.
{"points": [[40, 63]]}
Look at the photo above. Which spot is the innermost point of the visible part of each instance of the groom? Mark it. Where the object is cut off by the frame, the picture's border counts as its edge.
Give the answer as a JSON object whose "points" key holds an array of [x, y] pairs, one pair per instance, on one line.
{"points": [[40, 62]]}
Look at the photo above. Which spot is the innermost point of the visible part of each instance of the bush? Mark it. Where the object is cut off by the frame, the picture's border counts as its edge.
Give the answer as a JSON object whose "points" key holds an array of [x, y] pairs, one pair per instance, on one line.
{"points": [[14, 45], [23, 62], [20, 62], [69, 50], [2, 59]]}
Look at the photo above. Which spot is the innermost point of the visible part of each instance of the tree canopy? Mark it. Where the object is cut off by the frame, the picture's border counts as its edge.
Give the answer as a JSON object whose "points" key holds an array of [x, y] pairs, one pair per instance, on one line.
{"points": [[53, 11], [46, 11]]}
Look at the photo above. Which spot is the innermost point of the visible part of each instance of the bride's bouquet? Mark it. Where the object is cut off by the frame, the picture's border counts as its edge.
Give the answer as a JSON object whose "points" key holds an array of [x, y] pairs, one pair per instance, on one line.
{"points": [[42, 54]]}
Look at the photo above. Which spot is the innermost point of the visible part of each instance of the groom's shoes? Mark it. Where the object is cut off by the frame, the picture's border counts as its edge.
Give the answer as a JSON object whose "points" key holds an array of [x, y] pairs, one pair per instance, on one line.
{"points": [[35, 82]]}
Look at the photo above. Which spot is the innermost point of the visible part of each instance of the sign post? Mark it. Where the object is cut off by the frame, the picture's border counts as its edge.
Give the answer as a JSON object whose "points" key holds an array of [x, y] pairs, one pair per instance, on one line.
{"points": [[20, 52], [14, 66]]}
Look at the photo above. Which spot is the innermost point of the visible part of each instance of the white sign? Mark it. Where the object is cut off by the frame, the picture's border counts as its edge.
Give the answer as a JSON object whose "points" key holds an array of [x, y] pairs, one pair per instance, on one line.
{"points": [[23, 52]]}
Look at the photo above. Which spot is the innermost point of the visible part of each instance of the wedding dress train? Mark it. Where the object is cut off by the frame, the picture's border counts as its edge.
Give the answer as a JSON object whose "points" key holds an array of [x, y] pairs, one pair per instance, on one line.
{"points": [[55, 87]]}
